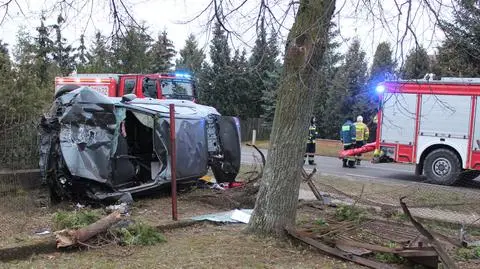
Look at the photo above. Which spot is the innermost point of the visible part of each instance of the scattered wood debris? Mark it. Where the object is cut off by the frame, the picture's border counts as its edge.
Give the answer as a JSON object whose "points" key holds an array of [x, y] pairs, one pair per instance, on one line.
{"points": [[447, 261]]}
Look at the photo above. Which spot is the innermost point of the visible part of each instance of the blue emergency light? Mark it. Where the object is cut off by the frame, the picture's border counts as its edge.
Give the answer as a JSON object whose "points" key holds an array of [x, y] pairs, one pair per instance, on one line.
{"points": [[183, 75], [380, 89]]}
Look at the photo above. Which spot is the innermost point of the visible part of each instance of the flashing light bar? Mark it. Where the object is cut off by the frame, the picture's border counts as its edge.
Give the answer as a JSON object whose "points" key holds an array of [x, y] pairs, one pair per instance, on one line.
{"points": [[181, 75]]}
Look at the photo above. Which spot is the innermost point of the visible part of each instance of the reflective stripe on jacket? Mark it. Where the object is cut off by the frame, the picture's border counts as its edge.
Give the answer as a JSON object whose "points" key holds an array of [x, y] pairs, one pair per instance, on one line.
{"points": [[348, 133], [312, 134], [362, 132]]}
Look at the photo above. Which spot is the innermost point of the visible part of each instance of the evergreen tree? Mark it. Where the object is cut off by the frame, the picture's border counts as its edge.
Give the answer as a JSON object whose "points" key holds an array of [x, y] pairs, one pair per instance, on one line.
{"points": [[162, 54], [191, 56], [459, 54], [327, 71], [5, 78], [214, 81], [131, 52], [260, 65], [82, 55], [272, 78], [44, 48], [416, 64], [346, 97], [26, 91], [62, 53], [382, 68], [100, 56], [243, 102], [383, 64]]}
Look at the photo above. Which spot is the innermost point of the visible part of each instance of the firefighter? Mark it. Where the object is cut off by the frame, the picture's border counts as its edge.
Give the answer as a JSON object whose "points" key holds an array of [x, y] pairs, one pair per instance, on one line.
{"points": [[312, 136], [348, 138], [361, 137]]}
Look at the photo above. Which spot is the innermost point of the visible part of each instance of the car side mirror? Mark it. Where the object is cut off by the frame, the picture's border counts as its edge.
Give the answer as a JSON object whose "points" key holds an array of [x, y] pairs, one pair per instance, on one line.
{"points": [[128, 97]]}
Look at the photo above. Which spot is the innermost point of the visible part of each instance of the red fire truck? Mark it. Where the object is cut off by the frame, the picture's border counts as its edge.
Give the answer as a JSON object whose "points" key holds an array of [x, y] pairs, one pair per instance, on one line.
{"points": [[432, 123], [158, 86]]}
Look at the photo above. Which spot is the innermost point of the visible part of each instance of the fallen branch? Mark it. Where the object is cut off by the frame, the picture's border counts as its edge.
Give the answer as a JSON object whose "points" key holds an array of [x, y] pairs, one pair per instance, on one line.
{"points": [[339, 253], [67, 237], [259, 152], [447, 261]]}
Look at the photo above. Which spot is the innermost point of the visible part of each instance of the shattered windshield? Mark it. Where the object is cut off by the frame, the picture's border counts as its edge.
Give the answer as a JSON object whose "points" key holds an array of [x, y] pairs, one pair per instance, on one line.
{"points": [[177, 89]]}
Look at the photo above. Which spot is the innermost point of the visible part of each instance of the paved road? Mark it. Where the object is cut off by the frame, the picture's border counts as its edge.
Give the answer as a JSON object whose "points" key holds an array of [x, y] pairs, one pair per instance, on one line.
{"points": [[367, 170]]}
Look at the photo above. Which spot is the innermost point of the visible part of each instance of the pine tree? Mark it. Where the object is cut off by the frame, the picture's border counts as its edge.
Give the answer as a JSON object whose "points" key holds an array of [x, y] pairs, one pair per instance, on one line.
{"points": [[5, 78], [346, 97], [416, 64], [44, 48], [327, 72], [27, 94], [383, 65], [131, 52], [260, 65], [100, 56], [242, 101], [272, 78], [214, 87], [82, 55], [62, 53], [459, 54], [191, 57], [162, 54]]}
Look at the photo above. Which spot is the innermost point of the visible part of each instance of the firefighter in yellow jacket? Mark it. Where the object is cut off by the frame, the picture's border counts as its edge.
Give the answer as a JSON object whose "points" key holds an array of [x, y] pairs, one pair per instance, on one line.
{"points": [[361, 135]]}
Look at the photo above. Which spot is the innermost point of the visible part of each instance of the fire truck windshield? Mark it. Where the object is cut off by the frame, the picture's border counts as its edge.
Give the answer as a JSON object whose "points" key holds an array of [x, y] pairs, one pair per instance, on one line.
{"points": [[177, 89]]}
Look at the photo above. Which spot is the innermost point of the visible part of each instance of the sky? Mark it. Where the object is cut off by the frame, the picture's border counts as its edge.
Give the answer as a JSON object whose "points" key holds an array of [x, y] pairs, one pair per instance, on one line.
{"points": [[353, 21]]}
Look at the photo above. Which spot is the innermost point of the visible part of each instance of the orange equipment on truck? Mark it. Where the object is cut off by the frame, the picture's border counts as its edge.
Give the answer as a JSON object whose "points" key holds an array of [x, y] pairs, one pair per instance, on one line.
{"points": [[434, 124], [157, 86]]}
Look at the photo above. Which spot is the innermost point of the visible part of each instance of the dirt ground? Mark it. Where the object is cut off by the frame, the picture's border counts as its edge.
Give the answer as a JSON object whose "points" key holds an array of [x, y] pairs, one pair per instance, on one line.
{"points": [[200, 246], [203, 245]]}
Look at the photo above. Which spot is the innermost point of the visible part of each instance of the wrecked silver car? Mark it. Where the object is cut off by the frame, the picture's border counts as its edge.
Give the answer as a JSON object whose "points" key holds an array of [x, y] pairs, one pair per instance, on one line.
{"points": [[103, 149]]}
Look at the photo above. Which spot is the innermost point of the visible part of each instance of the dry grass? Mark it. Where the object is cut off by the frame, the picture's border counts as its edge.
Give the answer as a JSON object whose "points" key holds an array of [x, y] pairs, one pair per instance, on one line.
{"points": [[203, 246]]}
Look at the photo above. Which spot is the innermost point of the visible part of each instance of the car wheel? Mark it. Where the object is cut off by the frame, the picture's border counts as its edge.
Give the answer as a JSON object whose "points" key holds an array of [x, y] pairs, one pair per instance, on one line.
{"points": [[442, 166]]}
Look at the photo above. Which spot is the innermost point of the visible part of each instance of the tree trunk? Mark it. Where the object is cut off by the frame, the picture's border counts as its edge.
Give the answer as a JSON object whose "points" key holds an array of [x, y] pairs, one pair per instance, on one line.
{"points": [[67, 238], [277, 200]]}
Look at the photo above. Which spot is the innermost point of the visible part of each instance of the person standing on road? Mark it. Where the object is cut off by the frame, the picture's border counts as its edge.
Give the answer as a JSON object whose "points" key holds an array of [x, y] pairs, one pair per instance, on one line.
{"points": [[361, 136], [348, 138], [311, 145]]}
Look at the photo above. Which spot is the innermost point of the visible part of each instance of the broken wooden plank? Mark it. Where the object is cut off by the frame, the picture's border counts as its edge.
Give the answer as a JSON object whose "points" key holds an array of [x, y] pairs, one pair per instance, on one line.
{"points": [[354, 250], [339, 253], [410, 251], [447, 261]]}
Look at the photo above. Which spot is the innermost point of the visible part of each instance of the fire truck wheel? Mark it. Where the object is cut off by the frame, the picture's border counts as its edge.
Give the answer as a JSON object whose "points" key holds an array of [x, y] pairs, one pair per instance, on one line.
{"points": [[442, 166]]}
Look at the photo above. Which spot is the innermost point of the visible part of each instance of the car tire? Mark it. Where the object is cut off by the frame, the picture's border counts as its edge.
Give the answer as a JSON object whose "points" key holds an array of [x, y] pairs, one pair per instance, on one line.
{"points": [[443, 167]]}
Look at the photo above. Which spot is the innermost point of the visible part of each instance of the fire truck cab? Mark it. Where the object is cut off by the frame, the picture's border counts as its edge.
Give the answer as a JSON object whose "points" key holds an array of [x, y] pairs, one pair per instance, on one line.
{"points": [[434, 124], [157, 86]]}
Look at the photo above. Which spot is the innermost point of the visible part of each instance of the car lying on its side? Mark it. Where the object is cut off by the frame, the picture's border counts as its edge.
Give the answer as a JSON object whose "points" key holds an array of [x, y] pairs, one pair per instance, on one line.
{"points": [[103, 149]]}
